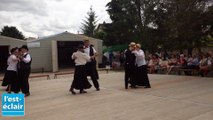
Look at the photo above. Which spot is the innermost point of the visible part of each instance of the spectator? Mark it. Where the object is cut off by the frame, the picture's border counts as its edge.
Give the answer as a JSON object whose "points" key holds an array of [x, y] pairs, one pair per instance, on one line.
{"points": [[205, 65], [192, 63], [171, 63], [153, 64]]}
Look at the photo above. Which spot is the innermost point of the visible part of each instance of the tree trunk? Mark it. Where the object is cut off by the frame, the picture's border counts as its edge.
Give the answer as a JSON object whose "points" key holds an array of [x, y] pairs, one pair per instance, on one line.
{"points": [[140, 23], [190, 51]]}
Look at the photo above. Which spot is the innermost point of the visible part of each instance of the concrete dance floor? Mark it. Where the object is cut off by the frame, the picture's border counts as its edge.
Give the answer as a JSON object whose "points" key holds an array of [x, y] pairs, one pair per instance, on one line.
{"points": [[170, 98]]}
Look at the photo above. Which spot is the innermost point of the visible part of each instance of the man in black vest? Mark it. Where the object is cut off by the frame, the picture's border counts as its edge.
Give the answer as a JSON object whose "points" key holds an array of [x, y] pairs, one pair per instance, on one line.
{"points": [[91, 66], [129, 65], [24, 70]]}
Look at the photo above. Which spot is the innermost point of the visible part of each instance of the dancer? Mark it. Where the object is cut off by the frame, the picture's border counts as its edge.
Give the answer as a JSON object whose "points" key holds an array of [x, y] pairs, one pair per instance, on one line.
{"points": [[141, 69], [91, 65], [129, 65], [24, 70], [80, 81], [10, 77]]}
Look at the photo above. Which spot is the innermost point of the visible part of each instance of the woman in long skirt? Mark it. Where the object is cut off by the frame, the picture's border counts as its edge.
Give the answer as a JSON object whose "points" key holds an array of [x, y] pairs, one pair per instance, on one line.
{"points": [[11, 78], [80, 81], [141, 69]]}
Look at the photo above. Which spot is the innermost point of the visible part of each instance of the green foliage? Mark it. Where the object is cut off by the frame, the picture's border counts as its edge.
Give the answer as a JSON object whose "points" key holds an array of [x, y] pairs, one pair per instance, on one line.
{"points": [[89, 25], [12, 32], [164, 24]]}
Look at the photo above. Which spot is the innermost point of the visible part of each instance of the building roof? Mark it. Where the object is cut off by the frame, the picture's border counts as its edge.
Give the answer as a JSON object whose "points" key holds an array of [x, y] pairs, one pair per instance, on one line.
{"points": [[15, 39], [102, 27], [65, 36]]}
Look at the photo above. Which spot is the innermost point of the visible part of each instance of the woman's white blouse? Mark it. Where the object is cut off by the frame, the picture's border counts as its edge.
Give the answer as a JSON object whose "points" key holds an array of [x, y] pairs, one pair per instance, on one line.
{"points": [[12, 63], [80, 58], [140, 57]]}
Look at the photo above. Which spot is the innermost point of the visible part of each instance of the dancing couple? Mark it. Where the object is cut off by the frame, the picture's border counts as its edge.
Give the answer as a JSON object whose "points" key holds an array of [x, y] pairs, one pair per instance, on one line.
{"points": [[135, 67], [18, 71]]}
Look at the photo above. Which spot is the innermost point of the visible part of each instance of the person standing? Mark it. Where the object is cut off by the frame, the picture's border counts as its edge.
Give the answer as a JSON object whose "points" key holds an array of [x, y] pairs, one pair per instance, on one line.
{"points": [[129, 65], [11, 78], [80, 81], [91, 66], [141, 68], [24, 70]]}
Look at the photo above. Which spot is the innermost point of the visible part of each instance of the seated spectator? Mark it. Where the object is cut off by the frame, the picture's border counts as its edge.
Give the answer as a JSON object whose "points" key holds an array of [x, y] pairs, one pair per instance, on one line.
{"points": [[181, 63], [192, 63], [189, 59], [205, 65], [210, 73], [163, 63], [153, 63], [210, 56], [171, 63], [162, 67]]}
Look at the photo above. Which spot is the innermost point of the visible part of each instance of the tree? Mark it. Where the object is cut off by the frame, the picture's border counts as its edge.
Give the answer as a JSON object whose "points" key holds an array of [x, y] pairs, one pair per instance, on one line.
{"points": [[131, 20], [184, 22], [123, 23], [107, 34], [89, 25], [181, 24], [12, 32]]}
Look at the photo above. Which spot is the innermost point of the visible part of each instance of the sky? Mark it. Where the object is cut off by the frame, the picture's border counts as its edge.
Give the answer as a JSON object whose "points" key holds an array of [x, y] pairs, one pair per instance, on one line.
{"points": [[39, 18]]}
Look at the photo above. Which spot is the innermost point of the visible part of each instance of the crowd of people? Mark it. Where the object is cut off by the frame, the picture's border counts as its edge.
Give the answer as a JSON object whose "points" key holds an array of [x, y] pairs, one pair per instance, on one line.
{"points": [[18, 71], [135, 64], [202, 62], [134, 60]]}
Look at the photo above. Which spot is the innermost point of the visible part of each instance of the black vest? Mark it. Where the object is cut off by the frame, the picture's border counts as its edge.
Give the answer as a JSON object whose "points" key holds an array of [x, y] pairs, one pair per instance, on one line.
{"points": [[129, 58], [25, 66], [91, 53]]}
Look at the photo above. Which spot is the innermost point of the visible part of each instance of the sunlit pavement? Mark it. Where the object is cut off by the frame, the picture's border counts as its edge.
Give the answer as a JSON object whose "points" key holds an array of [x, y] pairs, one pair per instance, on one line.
{"points": [[170, 98]]}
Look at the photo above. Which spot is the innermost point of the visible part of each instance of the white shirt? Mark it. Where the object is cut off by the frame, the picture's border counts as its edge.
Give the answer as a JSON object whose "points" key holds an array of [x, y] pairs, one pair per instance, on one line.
{"points": [[80, 58], [202, 61], [87, 50], [27, 59], [12, 63], [140, 57]]}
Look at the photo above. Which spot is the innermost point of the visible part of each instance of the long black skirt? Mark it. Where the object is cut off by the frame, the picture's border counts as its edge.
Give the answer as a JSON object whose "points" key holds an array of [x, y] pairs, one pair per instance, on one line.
{"points": [[80, 81], [141, 76], [11, 78]]}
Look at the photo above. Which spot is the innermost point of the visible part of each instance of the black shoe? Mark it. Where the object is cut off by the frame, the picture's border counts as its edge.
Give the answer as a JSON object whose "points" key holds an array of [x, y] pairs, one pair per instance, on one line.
{"points": [[98, 89], [147, 87], [82, 91], [132, 86], [27, 94], [72, 91]]}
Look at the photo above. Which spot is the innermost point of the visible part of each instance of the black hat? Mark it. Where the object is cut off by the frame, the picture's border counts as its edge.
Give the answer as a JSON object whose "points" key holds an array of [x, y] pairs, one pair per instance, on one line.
{"points": [[24, 47], [80, 46], [13, 49]]}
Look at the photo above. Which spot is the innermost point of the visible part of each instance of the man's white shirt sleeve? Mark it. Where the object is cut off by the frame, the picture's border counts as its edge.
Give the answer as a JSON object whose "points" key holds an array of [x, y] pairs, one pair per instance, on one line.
{"points": [[27, 59]]}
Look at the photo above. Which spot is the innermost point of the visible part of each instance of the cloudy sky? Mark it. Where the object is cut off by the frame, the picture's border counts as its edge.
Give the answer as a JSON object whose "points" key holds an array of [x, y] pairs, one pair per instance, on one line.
{"points": [[38, 18]]}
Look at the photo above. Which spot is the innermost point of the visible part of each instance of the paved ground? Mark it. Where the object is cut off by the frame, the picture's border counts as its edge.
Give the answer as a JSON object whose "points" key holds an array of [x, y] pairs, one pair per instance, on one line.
{"points": [[170, 98]]}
